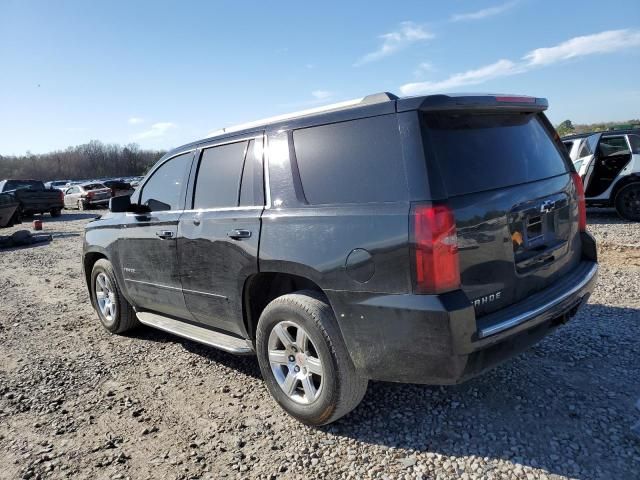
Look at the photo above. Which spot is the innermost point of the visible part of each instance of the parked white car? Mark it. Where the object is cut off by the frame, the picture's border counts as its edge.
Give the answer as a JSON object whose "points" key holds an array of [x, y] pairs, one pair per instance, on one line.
{"points": [[609, 164], [87, 195]]}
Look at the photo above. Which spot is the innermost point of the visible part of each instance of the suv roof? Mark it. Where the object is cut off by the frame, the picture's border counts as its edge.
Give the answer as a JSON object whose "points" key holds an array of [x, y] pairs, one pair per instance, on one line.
{"points": [[380, 104]]}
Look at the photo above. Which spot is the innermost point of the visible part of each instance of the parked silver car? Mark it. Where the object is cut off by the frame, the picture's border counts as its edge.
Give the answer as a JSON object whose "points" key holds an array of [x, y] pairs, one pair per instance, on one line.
{"points": [[87, 195]]}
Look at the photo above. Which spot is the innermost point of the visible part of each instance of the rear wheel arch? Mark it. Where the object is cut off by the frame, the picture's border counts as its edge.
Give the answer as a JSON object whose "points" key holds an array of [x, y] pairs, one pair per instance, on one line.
{"points": [[260, 289]]}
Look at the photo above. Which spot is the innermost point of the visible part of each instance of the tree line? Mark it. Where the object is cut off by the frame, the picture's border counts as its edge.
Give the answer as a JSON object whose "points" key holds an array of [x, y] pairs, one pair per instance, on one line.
{"points": [[91, 160], [568, 127]]}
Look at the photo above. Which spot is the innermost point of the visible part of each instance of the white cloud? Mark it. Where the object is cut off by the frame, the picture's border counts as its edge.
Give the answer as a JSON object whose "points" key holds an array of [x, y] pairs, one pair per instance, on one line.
{"points": [[484, 13], [422, 68], [135, 121], [407, 34], [604, 42], [500, 68], [321, 94], [320, 97], [157, 130]]}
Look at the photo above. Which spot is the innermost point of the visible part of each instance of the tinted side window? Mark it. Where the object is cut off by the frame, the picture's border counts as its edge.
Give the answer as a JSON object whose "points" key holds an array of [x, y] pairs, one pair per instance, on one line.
{"points": [[613, 146], [359, 161], [252, 189], [219, 176], [163, 190], [634, 140], [584, 149]]}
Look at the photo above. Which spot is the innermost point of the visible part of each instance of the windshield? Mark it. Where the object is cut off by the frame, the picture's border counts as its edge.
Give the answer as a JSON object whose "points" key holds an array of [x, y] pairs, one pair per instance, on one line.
{"points": [[93, 186], [485, 151]]}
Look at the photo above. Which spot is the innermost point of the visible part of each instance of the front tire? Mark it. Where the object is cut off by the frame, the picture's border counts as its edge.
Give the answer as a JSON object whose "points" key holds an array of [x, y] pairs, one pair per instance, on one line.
{"points": [[627, 202], [55, 212], [115, 313], [304, 361]]}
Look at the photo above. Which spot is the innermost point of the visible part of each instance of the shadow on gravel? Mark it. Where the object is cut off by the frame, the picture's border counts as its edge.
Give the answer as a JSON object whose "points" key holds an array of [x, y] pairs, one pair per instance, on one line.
{"points": [[65, 217], [604, 216], [565, 405], [247, 365]]}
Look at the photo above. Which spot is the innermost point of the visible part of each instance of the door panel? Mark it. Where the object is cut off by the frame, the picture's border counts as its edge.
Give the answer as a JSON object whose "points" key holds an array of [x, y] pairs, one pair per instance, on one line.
{"points": [[149, 263], [585, 164], [214, 266], [149, 259]]}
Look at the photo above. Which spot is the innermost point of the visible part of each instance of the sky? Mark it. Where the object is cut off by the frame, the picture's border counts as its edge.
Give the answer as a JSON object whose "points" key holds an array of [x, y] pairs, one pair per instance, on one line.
{"points": [[164, 73]]}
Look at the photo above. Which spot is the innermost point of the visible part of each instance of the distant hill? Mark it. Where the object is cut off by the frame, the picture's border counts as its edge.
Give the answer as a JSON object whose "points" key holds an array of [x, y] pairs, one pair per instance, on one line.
{"points": [[568, 127]]}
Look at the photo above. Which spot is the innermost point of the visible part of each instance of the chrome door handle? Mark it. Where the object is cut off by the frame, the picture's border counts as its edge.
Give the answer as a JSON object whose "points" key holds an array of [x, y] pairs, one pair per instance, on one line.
{"points": [[238, 234], [164, 234]]}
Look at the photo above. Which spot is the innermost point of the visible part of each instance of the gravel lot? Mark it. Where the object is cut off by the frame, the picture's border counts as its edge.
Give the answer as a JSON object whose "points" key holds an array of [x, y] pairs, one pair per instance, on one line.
{"points": [[76, 402]]}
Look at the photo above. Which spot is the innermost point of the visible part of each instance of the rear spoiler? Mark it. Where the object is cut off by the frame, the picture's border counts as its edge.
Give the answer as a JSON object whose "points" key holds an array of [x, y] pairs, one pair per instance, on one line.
{"points": [[482, 102]]}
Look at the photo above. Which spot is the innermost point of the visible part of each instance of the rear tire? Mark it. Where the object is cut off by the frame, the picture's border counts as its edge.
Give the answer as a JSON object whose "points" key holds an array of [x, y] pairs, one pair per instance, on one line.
{"points": [[16, 218], [627, 202], [115, 313], [310, 373], [55, 212]]}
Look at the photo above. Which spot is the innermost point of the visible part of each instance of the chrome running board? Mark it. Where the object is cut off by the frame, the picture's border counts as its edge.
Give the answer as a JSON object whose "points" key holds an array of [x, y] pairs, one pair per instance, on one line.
{"points": [[208, 337]]}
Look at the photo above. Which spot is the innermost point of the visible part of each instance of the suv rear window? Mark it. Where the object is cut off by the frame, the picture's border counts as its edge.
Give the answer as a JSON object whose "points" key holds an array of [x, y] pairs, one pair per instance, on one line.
{"points": [[358, 161], [477, 152]]}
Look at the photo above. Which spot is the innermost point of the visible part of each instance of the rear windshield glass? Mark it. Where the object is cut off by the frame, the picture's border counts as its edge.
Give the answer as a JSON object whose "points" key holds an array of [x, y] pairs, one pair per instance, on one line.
{"points": [[477, 152]]}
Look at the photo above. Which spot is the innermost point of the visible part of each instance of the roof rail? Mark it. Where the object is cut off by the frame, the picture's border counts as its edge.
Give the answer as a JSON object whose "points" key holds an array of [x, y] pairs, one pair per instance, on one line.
{"points": [[368, 100]]}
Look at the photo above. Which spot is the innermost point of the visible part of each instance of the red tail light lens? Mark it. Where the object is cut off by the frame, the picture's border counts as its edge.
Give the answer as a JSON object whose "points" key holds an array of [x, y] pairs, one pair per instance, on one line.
{"points": [[582, 207], [90, 194], [435, 247]]}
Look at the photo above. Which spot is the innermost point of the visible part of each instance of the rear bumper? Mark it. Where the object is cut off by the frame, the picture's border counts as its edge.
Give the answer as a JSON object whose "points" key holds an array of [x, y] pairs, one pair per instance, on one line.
{"points": [[102, 201], [436, 339]]}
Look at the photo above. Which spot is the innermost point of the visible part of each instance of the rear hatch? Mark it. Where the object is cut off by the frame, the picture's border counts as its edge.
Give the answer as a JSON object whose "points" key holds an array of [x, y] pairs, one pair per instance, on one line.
{"points": [[509, 185]]}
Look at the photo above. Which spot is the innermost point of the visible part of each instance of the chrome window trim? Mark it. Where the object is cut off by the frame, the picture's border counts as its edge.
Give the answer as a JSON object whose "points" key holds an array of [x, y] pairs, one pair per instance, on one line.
{"points": [[169, 287]]}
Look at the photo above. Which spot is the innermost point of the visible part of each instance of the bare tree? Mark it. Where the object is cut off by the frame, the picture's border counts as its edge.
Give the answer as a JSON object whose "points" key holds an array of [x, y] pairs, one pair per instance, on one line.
{"points": [[91, 160]]}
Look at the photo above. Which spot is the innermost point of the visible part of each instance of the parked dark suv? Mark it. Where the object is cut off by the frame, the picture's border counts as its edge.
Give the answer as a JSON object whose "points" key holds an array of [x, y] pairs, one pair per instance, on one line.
{"points": [[418, 240]]}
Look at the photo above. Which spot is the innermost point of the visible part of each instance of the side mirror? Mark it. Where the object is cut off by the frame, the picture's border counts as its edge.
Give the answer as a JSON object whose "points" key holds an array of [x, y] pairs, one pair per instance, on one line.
{"points": [[120, 204]]}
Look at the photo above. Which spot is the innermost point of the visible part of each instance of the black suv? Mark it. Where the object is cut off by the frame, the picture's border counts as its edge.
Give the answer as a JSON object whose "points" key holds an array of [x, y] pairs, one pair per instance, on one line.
{"points": [[419, 240]]}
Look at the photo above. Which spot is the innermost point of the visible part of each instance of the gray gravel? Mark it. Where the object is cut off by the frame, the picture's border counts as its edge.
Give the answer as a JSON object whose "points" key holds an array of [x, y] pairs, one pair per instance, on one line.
{"points": [[76, 402]]}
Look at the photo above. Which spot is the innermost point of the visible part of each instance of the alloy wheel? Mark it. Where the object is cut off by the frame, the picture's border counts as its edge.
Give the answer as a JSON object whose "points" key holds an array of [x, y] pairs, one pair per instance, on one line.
{"points": [[631, 201], [295, 362], [105, 297]]}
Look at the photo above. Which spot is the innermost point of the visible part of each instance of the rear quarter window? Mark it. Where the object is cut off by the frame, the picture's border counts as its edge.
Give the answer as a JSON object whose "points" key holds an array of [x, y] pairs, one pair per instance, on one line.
{"points": [[358, 161], [478, 152]]}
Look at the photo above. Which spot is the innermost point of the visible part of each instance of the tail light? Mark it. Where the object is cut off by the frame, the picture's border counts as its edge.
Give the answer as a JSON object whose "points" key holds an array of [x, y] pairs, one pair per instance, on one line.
{"points": [[435, 249], [582, 207], [61, 195], [90, 194]]}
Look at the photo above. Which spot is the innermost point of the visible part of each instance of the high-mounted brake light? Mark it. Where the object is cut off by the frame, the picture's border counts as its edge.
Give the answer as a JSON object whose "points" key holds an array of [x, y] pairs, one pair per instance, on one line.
{"points": [[515, 99], [435, 249], [582, 207]]}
